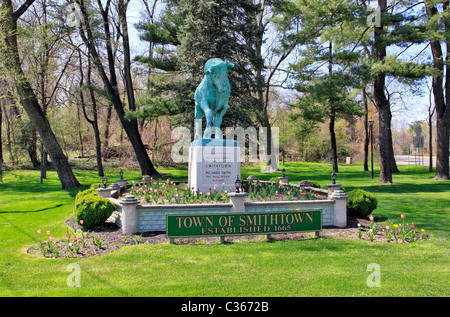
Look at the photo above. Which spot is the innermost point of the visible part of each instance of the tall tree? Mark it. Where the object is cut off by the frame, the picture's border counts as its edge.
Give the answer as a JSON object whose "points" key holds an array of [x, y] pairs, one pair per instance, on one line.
{"points": [[28, 99], [441, 89], [381, 102], [94, 120], [110, 82], [324, 74]]}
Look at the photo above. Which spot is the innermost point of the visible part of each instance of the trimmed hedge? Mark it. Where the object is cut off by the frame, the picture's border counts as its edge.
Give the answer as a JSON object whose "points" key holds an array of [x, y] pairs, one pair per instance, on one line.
{"points": [[361, 203], [92, 209]]}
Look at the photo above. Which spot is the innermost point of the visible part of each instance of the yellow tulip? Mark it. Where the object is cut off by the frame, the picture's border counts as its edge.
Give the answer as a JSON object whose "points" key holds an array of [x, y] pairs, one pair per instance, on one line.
{"points": [[396, 226]]}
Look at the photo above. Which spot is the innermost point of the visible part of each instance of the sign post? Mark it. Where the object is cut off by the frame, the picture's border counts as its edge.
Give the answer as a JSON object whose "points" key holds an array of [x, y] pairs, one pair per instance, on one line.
{"points": [[247, 223]]}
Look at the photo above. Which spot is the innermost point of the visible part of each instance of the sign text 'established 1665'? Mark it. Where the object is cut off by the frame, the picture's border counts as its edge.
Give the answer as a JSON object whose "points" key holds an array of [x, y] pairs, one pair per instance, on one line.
{"points": [[225, 224]]}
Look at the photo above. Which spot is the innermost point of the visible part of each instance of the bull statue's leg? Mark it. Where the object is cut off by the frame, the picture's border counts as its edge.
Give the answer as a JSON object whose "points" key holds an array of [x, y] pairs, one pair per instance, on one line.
{"points": [[218, 121], [198, 122], [217, 124], [209, 117]]}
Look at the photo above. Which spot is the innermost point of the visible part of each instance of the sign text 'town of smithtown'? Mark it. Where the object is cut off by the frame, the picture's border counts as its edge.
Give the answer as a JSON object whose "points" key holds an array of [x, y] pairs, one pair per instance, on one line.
{"points": [[226, 224]]}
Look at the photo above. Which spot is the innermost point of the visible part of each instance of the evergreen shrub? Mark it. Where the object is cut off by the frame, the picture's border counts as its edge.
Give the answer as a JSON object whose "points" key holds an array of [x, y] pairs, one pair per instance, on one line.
{"points": [[361, 203], [92, 209]]}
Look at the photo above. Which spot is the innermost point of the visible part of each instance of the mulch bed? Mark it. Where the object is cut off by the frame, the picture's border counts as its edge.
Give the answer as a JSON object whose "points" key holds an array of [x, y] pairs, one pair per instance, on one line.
{"points": [[113, 239]]}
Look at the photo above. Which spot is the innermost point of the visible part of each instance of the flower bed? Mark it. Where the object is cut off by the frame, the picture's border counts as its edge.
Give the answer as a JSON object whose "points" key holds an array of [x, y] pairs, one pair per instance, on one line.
{"points": [[392, 232], [153, 192]]}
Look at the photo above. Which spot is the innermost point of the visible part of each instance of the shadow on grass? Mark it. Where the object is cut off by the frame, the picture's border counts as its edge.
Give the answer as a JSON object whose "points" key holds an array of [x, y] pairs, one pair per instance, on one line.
{"points": [[31, 211]]}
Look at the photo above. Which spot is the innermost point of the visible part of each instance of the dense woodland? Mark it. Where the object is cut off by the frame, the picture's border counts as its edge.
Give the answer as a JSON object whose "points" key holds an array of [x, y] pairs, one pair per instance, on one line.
{"points": [[77, 89]]}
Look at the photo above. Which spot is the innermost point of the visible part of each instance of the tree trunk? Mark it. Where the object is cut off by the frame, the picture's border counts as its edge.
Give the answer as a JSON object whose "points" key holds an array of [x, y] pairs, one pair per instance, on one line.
{"points": [[94, 120], [394, 167], [1, 122], [366, 131], [130, 127], [431, 110], [98, 142], [32, 149], [333, 144], [441, 104], [107, 123], [8, 133], [28, 99], [443, 112], [442, 155], [382, 104]]}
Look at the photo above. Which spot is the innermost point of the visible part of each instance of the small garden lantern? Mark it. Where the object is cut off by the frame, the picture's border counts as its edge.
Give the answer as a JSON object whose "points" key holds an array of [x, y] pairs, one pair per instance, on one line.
{"points": [[333, 177], [237, 184], [284, 172], [104, 180], [121, 174]]}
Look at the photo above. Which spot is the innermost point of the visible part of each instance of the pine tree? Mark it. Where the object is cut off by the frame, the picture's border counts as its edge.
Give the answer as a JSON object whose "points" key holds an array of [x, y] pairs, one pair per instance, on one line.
{"points": [[190, 33], [441, 90], [324, 75]]}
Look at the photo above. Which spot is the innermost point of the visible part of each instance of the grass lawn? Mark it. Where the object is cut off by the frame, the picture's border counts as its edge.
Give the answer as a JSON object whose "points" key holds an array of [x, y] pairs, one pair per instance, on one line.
{"points": [[312, 267]]}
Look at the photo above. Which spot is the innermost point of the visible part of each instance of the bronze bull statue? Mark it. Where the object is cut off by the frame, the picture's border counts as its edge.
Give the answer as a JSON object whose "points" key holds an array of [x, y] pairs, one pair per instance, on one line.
{"points": [[211, 97]]}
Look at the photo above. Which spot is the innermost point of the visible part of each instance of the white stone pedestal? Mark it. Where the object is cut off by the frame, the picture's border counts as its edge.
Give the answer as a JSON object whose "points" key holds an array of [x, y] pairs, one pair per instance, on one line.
{"points": [[340, 208], [213, 162]]}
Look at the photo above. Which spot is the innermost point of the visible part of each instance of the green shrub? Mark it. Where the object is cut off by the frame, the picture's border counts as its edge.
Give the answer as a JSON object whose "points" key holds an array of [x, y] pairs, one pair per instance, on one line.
{"points": [[274, 179], [96, 185], [314, 184], [361, 203], [92, 209], [81, 196]]}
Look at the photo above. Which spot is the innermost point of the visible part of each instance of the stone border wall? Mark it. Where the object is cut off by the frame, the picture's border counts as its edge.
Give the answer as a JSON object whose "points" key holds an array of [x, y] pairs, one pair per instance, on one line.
{"points": [[133, 217]]}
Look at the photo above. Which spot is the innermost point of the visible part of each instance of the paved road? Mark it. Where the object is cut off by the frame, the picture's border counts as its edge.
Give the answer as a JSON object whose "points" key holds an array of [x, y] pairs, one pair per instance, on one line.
{"points": [[411, 160]]}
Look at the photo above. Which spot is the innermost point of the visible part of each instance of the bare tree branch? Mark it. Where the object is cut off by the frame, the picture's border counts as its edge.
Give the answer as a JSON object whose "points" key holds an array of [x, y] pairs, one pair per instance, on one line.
{"points": [[18, 13]]}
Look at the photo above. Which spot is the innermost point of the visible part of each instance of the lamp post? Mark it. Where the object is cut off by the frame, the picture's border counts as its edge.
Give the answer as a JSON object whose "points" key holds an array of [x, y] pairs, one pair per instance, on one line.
{"points": [[284, 172], [104, 180], [237, 184], [371, 122], [333, 177], [121, 174]]}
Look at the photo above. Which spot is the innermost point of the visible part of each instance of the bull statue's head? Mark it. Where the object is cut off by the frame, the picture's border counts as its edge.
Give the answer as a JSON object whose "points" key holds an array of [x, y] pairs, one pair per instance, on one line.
{"points": [[217, 69]]}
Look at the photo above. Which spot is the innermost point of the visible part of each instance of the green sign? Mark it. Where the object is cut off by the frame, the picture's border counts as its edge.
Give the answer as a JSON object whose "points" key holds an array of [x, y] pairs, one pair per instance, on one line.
{"points": [[226, 224]]}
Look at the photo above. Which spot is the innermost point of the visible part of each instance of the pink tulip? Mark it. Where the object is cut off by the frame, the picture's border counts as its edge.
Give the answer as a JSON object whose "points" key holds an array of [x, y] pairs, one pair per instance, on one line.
{"points": [[75, 239], [47, 232], [412, 226], [39, 231], [371, 218], [302, 194], [81, 222], [402, 215], [67, 235]]}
